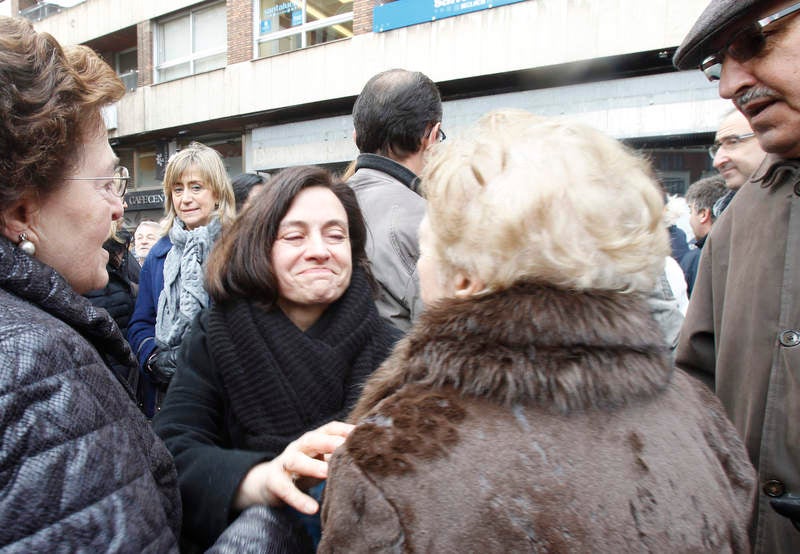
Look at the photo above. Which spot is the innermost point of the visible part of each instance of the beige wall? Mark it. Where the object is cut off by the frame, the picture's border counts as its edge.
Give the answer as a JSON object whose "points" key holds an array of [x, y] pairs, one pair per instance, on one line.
{"points": [[519, 36], [96, 18]]}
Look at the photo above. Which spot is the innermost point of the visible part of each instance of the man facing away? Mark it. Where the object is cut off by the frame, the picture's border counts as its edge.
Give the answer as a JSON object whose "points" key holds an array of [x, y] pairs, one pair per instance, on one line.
{"points": [[397, 117], [701, 198], [736, 154], [742, 330]]}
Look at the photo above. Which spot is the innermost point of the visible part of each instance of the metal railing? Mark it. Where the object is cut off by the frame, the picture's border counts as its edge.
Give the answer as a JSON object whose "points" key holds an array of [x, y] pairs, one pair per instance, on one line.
{"points": [[39, 11]]}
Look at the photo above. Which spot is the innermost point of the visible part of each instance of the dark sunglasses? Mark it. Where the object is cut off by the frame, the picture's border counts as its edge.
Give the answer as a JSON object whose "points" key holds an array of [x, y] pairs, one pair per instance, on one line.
{"points": [[745, 44]]}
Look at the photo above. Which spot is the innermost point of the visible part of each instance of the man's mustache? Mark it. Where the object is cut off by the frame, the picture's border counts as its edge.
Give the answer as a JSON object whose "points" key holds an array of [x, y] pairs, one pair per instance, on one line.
{"points": [[754, 93]]}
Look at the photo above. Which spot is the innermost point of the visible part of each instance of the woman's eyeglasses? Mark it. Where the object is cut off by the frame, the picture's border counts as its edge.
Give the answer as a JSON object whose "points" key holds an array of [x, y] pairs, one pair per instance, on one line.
{"points": [[745, 45], [117, 184]]}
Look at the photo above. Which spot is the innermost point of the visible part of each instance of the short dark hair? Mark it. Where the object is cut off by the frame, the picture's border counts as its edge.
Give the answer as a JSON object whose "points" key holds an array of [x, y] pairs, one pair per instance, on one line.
{"points": [[50, 100], [240, 265], [704, 193], [393, 112], [242, 185]]}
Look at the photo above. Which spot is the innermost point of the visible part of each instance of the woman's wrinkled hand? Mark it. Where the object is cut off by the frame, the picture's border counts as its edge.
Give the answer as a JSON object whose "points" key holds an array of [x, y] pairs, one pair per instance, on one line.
{"points": [[274, 483]]}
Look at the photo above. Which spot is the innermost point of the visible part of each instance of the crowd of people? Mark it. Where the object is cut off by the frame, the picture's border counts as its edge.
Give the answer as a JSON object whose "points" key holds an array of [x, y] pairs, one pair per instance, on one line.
{"points": [[457, 345]]}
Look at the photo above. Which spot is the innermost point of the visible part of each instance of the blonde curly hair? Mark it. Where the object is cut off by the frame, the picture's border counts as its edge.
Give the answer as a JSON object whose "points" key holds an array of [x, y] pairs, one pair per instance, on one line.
{"points": [[528, 198]]}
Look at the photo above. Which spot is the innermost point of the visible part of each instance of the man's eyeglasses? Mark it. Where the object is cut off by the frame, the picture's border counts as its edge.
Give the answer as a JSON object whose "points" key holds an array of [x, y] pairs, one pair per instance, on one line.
{"points": [[440, 136], [729, 142], [117, 184], [745, 44]]}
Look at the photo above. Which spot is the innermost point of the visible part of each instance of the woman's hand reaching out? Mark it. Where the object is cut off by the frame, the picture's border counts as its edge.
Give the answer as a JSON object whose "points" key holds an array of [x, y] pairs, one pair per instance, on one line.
{"points": [[274, 483]]}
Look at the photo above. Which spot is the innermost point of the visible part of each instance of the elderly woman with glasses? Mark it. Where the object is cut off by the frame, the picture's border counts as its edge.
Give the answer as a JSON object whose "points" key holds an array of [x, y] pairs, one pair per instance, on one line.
{"points": [[81, 469], [534, 406], [199, 202]]}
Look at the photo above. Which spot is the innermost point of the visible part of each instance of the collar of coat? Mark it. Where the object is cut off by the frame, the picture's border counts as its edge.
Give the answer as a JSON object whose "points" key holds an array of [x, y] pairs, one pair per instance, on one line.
{"points": [[393, 169], [28, 278], [775, 171], [533, 345]]}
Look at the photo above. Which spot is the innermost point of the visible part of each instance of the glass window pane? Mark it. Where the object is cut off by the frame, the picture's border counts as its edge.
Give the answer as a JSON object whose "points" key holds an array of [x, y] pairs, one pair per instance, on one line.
{"points": [[173, 39], [275, 15], [327, 34], [210, 28], [126, 157], [286, 44], [174, 72], [321, 9], [126, 61], [209, 63], [146, 171]]}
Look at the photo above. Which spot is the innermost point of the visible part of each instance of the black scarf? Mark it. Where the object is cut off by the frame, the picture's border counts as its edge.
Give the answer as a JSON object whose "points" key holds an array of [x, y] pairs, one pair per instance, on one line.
{"points": [[281, 381]]}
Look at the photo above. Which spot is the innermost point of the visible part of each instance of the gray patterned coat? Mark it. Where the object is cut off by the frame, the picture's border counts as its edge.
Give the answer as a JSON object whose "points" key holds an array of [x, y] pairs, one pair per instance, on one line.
{"points": [[80, 468]]}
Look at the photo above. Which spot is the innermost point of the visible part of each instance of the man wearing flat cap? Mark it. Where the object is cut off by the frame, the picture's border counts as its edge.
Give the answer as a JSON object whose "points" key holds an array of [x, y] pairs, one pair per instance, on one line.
{"points": [[742, 330]]}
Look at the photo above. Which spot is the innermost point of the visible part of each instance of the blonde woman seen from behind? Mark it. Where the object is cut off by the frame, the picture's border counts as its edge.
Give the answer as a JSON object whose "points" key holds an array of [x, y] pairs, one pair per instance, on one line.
{"points": [[534, 406]]}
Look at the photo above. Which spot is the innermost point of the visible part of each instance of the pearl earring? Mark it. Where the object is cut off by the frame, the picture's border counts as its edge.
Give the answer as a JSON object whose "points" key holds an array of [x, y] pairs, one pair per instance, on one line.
{"points": [[25, 245]]}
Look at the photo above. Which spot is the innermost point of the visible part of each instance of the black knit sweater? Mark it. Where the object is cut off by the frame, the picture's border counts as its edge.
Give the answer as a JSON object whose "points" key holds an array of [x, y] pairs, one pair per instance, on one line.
{"points": [[250, 382]]}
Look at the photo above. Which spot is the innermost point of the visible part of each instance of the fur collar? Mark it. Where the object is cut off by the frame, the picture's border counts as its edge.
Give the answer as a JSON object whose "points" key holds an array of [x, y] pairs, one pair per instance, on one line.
{"points": [[534, 345]]}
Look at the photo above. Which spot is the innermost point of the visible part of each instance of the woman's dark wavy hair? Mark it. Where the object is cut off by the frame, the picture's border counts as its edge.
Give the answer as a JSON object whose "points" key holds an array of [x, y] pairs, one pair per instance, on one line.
{"points": [[240, 265], [50, 100]]}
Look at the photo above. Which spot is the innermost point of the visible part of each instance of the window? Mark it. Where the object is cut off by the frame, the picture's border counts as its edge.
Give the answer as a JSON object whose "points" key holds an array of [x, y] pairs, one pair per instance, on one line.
{"points": [[127, 67], [191, 42], [285, 25]]}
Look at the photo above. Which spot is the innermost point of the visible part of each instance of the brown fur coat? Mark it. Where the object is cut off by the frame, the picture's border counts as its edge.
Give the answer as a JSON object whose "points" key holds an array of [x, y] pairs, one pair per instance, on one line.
{"points": [[537, 420]]}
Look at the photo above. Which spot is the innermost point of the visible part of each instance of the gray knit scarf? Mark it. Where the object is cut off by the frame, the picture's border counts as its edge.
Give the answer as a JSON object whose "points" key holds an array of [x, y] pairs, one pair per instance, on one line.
{"points": [[183, 295]]}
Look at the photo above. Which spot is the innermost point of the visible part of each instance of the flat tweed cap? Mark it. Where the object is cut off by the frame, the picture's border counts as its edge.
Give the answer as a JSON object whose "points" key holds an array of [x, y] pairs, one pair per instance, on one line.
{"points": [[715, 19]]}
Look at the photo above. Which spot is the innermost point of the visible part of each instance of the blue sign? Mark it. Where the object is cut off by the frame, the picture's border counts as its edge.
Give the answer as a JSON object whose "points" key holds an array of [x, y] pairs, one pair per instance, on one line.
{"points": [[297, 18], [266, 26], [403, 13]]}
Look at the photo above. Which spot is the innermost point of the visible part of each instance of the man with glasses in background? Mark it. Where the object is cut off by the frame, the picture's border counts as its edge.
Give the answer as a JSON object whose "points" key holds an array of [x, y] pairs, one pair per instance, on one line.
{"points": [[736, 154], [742, 330], [397, 117]]}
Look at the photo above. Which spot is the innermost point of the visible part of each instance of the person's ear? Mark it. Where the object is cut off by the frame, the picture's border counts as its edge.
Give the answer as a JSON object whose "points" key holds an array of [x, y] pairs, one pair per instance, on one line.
{"points": [[354, 135], [465, 286], [704, 215], [431, 138], [19, 218]]}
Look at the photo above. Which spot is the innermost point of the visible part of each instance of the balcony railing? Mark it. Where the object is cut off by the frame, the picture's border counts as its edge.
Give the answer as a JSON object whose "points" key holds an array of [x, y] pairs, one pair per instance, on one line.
{"points": [[40, 11]]}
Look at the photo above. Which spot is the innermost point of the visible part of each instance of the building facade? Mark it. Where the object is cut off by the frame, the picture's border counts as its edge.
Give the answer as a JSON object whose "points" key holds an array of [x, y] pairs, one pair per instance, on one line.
{"points": [[271, 83]]}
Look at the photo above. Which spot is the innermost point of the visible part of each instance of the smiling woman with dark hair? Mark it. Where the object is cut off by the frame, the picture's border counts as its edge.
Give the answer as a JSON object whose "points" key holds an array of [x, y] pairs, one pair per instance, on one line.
{"points": [[290, 337]]}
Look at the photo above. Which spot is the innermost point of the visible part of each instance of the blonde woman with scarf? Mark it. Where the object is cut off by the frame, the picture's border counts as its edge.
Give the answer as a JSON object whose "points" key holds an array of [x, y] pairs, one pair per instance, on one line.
{"points": [[199, 202]]}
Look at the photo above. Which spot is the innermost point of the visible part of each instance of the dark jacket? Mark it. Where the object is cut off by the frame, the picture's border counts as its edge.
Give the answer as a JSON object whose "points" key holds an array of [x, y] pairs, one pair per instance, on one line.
{"points": [[690, 263], [537, 420], [248, 384], [142, 327], [80, 468], [742, 335], [677, 242], [118, 297]]}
